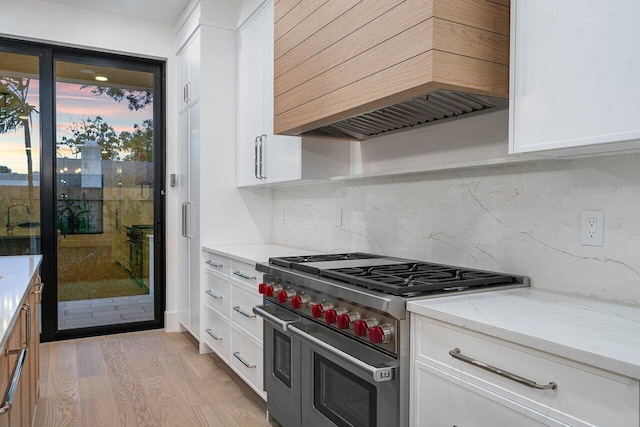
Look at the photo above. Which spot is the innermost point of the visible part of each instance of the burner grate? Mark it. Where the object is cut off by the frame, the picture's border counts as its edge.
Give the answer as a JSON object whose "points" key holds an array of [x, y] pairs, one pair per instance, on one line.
{"points": [[413, 278], [298, 262]]}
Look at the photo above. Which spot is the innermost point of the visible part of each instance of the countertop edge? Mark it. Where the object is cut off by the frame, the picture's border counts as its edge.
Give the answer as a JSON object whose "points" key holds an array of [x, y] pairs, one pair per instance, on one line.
{"points": [[16, 314], [247, 253], [586, 357]]}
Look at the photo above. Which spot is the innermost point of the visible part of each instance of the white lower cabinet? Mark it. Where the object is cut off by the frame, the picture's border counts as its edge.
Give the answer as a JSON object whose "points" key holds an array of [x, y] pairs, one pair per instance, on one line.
{"points": [[230, 328], [446, 400], [449, 390]]}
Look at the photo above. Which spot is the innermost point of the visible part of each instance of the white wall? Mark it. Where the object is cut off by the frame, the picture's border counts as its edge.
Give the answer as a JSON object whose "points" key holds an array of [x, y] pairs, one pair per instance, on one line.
{"points": [[70, 26], [522, 219]]}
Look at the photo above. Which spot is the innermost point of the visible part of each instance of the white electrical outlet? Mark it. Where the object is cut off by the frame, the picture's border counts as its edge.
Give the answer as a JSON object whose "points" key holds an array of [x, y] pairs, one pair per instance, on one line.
{"points": [[337, 220], [281, 216], [592, 228]]}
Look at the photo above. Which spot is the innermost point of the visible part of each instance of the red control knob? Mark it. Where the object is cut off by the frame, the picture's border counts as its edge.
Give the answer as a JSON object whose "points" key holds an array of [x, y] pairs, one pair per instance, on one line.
{"points": [[380, 334], [262, 288], [317, 310], [299, 301], [345, 319], [272, 289], [284, 295], [361, 327], [330, 316]]}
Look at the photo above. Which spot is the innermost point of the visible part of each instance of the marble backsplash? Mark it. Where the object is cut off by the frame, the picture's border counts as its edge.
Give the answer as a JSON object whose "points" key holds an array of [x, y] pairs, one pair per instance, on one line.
{"points": [[522, 219]]}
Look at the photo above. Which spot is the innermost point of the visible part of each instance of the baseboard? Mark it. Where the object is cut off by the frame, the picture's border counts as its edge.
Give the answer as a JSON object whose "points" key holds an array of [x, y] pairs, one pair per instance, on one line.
{"points": [[172, 322]]}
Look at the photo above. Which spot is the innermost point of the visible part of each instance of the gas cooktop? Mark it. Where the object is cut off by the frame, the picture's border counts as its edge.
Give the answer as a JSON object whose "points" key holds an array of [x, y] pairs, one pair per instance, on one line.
{"points": [[395, 276]]}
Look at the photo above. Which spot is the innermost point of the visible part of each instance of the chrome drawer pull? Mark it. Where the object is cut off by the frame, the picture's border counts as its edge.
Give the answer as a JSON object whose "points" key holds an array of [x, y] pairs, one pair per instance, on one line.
{"points": [[212, 335], [236, 354], [245, 314], [15, 381], [244, 276], [211, 294], [455, 353], [213, 264]]}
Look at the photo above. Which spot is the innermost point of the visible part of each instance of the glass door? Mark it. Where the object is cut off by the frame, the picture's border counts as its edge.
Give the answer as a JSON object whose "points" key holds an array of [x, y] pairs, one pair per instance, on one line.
{"points": [[105, 203], [19, 153]]}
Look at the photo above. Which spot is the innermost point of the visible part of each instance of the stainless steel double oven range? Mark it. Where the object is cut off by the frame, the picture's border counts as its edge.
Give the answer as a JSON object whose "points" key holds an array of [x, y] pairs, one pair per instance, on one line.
{"points": [[336, 333]]}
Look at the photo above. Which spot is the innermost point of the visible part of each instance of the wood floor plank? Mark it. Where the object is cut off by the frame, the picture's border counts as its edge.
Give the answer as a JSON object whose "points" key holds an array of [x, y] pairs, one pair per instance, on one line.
{"points": [[96, 402], [128, 392], [63, 401], [166, 404], [91, 362]]}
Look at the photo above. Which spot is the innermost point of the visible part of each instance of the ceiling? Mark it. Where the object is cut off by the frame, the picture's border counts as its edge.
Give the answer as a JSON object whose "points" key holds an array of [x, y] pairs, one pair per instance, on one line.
{"points": [[165, 11]]}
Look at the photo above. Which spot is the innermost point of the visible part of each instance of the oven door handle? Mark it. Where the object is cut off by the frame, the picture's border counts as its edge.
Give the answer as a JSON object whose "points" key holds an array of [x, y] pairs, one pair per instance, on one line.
{"points": [[274, 320], [380, 374]]}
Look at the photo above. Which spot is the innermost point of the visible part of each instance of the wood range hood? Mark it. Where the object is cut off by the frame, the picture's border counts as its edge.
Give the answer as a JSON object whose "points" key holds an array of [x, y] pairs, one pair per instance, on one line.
{"points": [[362, 68]]}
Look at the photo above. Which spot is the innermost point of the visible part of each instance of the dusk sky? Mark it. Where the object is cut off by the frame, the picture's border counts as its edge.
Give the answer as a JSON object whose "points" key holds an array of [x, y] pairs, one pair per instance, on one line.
{"points": [[73, 104]]}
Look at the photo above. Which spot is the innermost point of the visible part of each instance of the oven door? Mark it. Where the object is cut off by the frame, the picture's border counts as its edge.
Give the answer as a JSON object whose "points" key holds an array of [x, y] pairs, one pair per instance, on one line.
{"points": [[281, 365], [344, 382]]}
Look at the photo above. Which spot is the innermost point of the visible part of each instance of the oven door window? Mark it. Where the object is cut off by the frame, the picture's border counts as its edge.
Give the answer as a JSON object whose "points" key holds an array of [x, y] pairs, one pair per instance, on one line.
{"points": [[342, 397], [282, 357]]}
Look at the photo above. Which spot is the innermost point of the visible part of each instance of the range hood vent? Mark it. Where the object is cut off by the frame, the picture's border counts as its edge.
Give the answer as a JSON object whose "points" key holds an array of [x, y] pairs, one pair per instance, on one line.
{"points": [[434, 107]]}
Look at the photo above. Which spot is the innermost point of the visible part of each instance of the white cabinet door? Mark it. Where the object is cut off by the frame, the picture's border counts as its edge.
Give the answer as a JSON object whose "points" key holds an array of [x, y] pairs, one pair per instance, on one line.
{"points": [[183, 242], [262, 156], [189, 72], [574, 76], [440, 399], [193, 220], [250, 48]]}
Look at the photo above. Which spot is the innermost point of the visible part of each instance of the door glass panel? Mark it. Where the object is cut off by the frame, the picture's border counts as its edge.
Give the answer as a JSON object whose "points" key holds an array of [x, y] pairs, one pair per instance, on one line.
{"points": [[19, 154], [282, 357], [104, 180], [341, 396]]}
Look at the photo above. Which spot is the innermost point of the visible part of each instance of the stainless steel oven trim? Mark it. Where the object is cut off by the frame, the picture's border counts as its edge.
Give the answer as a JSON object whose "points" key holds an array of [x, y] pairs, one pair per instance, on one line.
{"points": [[380, 374], [264, 311]]}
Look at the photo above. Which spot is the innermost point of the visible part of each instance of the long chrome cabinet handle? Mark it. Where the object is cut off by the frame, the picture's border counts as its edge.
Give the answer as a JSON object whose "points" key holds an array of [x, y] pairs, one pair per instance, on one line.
{"points": [[27, 309], [255, 157], [456, 354], [10, 394], [263, 145], [213, 264], [380, 374], [212, 335], [244, 313], [211, 294], [274, 320], [184, 219], [243, 275], [187, 221], [236, 354]]}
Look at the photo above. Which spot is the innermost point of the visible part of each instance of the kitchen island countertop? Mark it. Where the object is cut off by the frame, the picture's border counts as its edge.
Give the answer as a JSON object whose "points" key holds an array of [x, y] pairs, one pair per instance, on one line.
{"points": [[16, 274], [254, 253], [597, 333]]}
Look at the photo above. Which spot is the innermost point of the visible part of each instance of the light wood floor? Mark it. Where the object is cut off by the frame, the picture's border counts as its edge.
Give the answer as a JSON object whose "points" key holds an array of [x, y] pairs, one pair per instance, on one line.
{"points": [[150, 378]]}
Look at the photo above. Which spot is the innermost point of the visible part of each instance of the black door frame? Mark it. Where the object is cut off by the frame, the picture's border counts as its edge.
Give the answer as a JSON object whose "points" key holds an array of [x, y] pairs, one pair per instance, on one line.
{"points": [[48, 54]]}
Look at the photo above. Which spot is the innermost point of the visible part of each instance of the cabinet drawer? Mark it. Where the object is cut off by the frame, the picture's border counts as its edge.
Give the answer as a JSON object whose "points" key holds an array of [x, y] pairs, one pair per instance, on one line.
{"points": [[246, 273], [242, 303], [216, 263], [216, 293], [247, 359], [584, 395], [217, 334], [465, 403]]}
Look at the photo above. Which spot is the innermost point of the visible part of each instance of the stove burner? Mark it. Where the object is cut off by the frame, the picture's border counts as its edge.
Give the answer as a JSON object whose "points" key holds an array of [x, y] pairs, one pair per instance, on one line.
{"points": [[416, 277], [298, 262]]}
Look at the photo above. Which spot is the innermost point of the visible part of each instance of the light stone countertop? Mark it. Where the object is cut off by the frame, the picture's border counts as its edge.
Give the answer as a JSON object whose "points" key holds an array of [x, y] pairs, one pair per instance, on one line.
{"points": [[254, 253], [597, 333], [16, 273]]}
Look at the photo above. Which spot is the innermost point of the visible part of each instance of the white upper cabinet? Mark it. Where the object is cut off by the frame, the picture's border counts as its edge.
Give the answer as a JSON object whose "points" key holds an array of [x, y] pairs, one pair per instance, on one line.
{"points": [[575, 76], [263, 157], [189, 60]]}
